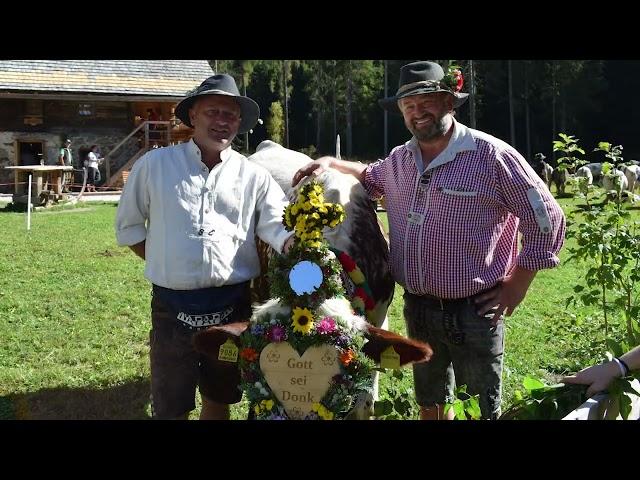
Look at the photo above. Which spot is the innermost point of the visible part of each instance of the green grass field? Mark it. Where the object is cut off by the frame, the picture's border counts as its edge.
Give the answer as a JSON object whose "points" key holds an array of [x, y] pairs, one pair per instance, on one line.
{"points": [[74, 310]]}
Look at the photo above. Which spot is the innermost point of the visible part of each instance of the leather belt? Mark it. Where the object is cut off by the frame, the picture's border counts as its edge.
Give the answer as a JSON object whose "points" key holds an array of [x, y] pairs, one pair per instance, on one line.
{"points": [[445, 303]]}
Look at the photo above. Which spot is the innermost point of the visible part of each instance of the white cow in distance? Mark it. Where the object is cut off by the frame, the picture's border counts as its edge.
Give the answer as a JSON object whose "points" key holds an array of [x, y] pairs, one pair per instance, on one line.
{"points": [[615, 181], [586, 173], [632, 173]]}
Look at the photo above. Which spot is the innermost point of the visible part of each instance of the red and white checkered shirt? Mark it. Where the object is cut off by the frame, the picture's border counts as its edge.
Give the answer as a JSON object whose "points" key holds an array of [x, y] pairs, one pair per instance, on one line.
{"points": [[454, 229]]}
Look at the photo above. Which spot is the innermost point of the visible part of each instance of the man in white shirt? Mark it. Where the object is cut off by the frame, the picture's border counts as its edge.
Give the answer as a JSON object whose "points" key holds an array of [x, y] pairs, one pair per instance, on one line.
{"points": [[93, 172], [192, 211], [65, 158]]}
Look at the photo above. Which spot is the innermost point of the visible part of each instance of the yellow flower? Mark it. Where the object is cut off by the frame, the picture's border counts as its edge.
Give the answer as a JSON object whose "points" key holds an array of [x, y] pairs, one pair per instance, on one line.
{"points": [[301, 224], [306, 206], [287, 217], [257, 409], [313, 244], [324, 413], [267, 404], [302, 320]]}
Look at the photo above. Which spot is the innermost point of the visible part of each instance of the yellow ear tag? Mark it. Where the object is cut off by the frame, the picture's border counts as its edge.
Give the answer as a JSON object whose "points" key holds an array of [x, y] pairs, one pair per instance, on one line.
{"points": [[389, 358], [228, 352]]}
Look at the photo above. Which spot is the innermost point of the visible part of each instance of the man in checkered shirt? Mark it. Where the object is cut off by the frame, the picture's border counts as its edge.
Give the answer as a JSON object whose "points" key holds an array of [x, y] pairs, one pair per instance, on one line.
{"points": [[456, 200]]}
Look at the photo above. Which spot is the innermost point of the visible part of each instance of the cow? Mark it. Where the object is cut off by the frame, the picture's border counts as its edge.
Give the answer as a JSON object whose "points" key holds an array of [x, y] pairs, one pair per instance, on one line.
{"points": [[596, 171], [632, 173], [586, 173], [542, 168], [360, 235], [560, 178], [616, 182]]}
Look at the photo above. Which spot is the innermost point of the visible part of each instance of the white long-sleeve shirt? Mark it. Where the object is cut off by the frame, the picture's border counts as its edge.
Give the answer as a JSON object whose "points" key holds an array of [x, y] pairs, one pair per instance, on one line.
{"points": [[200, 225], [91, 161]]}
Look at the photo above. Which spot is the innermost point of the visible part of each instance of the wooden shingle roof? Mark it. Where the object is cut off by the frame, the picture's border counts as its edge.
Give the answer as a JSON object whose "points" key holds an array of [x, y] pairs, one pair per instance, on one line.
{"points": [[124, 77]]}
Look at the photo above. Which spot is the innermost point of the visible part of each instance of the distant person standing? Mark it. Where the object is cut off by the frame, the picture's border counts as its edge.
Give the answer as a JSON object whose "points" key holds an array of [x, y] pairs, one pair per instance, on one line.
{"points": [[93, 173], [65, 158]]}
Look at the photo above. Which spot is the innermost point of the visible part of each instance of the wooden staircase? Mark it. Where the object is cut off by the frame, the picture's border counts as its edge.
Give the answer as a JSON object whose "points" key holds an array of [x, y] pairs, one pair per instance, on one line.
{"points": [[118, 179]]}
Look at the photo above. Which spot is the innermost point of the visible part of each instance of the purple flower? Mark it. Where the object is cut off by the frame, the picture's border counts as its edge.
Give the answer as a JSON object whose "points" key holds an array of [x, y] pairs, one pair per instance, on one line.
{"points": [[326, 325], [276, 333], [342, 341], [249, 376], [275, 416], [257, 329]]}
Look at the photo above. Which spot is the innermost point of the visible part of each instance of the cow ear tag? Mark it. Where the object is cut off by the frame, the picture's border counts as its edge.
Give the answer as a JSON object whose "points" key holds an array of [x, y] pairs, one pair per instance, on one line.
{"points": [[389, 358], [228, 352]]}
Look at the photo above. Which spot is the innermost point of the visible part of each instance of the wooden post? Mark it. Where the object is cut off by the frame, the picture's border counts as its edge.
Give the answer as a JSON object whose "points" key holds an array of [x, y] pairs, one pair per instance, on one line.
{"points": [[38, 184], [29, 205]]}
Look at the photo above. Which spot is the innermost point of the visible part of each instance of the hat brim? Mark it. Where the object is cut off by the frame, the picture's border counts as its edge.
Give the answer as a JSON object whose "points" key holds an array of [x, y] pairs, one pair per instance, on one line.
{"points": [[390, 104], [250, 111]]}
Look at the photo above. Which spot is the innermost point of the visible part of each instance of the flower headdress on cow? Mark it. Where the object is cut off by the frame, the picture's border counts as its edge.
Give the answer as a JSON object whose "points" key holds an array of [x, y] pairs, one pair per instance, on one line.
{"points": [[308, 287]]}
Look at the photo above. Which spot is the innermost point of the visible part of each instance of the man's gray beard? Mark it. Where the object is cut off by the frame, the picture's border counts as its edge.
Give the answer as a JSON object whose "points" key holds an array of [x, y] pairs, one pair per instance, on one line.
{"points": [[438, 129]]}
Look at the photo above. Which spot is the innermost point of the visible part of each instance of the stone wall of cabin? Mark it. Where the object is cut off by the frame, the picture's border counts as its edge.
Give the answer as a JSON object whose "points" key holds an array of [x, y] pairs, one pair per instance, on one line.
{"points": [[108, 124]]}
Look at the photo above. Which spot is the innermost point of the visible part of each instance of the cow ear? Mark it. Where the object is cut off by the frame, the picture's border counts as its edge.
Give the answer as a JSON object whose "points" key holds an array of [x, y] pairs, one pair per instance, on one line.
{"points": [[208, 341], [410, 351]]}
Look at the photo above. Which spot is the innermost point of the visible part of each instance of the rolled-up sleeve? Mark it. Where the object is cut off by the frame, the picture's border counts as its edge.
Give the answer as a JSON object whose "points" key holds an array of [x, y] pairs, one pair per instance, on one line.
{"points": [[271, 202], [542, 221], [133, 208]]}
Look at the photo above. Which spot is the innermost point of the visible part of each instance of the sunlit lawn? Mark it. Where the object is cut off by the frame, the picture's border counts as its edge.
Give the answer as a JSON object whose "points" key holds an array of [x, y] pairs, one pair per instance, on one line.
{"points": [[74, 311]]}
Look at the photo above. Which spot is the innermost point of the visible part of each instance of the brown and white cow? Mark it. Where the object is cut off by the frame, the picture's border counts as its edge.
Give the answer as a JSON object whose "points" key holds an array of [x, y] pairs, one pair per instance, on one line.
{"points": [[360, 235]]}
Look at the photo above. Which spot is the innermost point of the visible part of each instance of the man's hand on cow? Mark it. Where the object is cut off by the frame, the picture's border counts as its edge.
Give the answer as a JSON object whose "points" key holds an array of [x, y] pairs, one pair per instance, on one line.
{"points": [[506, 295], [316, 168]]}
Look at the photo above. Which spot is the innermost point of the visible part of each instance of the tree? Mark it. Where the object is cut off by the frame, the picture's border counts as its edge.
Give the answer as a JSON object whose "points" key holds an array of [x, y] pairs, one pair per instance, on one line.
{"points": [[275, 123]]}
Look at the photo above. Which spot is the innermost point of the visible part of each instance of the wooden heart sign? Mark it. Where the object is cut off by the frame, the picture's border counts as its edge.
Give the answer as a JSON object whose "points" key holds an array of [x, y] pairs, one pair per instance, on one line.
{"points": [[299, 381]]}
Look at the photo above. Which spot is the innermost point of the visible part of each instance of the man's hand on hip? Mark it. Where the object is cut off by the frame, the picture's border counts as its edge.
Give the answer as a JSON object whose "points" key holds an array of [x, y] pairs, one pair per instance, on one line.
{"points": [[506, 295]]}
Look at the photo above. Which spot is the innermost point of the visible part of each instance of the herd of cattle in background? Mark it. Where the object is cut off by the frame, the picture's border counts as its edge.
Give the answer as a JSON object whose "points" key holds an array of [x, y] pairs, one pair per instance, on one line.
{"points": [[629, 176]]}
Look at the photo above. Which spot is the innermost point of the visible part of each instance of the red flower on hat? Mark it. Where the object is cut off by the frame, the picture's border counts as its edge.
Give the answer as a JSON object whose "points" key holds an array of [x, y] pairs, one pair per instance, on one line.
{"points": [[459, 80], [453, 79]]}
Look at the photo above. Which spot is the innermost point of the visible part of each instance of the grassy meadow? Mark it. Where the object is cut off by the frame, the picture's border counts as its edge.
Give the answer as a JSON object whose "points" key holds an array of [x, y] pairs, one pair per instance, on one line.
{"points": [[75, 319]]}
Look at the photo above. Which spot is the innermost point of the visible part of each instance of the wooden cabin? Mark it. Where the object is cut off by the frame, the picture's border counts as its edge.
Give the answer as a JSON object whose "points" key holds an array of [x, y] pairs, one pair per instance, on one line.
{"points": [[124, 106]]}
